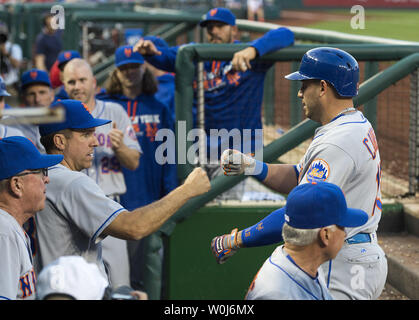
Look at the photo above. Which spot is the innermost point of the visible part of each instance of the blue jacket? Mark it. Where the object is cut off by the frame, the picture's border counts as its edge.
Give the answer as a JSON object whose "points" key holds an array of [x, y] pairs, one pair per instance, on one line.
{"points": [[233, 100]]}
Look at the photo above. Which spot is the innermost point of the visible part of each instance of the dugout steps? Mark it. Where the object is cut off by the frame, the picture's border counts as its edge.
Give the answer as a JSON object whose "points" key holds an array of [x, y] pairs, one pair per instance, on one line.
{"points": [[398, 235]]}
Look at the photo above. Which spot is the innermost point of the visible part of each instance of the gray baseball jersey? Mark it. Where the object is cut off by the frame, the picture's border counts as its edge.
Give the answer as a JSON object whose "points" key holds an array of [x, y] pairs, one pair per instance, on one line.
{"points": [[106, 169], [31, 132], [9, 131], [345, 152], [280, 278], [17, 277], [75, 214]]}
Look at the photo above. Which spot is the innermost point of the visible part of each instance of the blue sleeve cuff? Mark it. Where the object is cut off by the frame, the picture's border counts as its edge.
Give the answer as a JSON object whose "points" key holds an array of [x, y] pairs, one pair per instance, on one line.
{"points": [[261, 170]]}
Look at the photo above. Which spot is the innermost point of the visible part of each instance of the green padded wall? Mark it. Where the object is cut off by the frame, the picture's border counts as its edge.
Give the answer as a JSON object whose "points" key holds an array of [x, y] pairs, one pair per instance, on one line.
{"points": [[191, 270]]}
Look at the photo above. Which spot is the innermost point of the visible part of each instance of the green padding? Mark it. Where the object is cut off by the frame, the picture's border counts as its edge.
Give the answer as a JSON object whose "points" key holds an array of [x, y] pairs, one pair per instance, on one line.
{"points": [[192, 270], [154, 266]]}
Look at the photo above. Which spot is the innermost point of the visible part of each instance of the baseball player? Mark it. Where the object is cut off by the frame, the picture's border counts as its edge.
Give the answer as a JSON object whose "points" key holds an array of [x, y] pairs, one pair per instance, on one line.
{"points": [[233, 89], [118, 147], [315, 216], [344, 151], [63, 58], [6, 131], [78, 214], [23, 179], [133, 86], [35, 91]]}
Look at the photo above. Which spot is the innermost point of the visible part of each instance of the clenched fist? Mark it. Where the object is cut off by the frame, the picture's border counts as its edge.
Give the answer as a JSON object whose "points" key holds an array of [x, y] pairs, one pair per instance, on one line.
{"points": [[197, 182]]}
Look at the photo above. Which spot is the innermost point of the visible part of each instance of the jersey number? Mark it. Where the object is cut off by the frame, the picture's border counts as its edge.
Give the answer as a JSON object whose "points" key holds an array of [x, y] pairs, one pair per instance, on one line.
{"points": [[110, 164]]}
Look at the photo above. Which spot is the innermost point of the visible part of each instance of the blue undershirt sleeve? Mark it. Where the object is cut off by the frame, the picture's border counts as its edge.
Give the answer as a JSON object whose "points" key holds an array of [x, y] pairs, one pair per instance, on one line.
{"points": [[266, 232]]}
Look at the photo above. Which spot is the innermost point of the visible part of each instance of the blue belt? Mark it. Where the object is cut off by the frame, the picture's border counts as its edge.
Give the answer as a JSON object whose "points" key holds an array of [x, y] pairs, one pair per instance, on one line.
{"points": [[359, 238]]}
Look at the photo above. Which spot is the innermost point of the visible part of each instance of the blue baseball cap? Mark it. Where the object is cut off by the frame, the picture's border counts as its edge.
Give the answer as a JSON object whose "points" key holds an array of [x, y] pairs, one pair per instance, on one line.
{"points": [[77, 116], [34, 76], [125, 55], [219, 14], [66, 56], [320, 204], [19, 153], [3, 91], [158, 42]]}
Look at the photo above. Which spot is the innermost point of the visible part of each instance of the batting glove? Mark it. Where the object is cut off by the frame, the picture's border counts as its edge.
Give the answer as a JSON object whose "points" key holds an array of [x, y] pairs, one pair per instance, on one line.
{"points": [[234, 163], [223, 247]]}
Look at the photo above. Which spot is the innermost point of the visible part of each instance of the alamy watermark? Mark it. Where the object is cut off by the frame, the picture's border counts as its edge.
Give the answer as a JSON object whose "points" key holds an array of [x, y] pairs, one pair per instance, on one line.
{"points": [[58, 17], [197, 142], [358, 20]]}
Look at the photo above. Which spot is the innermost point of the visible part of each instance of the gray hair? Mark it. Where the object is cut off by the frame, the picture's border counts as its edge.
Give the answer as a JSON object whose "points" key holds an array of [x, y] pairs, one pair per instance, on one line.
{"points": [[301, 237]]}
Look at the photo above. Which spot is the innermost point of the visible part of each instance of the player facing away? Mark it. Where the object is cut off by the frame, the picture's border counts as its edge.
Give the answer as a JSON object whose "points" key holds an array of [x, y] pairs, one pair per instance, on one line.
{"points": [[77, 213], [315, 216], [344, 151]]}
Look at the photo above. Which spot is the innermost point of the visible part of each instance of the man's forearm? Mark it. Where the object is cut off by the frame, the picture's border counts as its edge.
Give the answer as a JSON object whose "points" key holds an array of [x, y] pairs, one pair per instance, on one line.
{"points": [[281, 177], [143, 221], [127, 157]]}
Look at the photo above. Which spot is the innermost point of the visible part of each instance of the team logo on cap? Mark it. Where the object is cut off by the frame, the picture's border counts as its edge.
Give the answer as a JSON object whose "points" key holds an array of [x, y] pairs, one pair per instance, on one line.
{"points": [[213, 12], [84, 106], [318, 171], [127, 52], [67, 55], [33, 74]]}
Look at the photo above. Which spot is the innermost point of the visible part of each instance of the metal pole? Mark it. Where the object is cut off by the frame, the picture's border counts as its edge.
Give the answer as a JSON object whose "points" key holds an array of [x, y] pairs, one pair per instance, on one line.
{"points": [[414, 133], [85, 40], [201, 115]]}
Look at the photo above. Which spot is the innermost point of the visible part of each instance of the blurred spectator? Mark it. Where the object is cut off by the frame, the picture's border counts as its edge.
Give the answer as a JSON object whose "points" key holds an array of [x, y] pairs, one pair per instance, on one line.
{"points": [[48, 44], [255, 10], [10, 60], [6, 131], [56, 73]]}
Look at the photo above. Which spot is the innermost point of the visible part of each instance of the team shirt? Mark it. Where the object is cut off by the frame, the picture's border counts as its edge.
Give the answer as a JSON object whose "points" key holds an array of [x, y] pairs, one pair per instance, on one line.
{"points": [[17, 277], [30, 131], [75, 214], [106, 169], [280, 278], [9, 131], [345, 152], [151, 180]]}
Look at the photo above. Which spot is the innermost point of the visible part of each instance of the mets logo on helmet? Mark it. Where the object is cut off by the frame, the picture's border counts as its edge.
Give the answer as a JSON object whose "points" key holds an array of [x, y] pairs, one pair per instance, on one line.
{"points": [[34, 74], [318, 171], [67, 55], [127, 52]]}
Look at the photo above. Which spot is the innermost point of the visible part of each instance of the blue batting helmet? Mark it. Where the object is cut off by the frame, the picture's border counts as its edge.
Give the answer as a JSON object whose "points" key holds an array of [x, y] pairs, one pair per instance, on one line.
{"points": [[335, 66], [3, 91]]}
